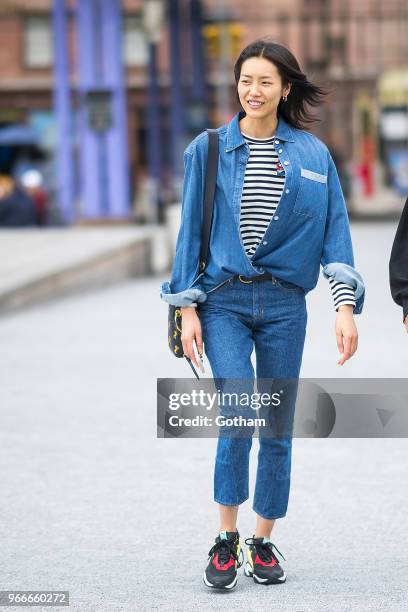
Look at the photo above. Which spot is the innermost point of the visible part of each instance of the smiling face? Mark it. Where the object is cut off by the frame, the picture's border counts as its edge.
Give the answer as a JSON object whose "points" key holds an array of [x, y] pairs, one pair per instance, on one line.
{"points": [[261, 84]]}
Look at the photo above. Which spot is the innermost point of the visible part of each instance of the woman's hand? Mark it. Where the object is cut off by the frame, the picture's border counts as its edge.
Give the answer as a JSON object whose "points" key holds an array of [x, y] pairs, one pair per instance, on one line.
{"points": [[191, 330], [346, 333], [406, 323]]}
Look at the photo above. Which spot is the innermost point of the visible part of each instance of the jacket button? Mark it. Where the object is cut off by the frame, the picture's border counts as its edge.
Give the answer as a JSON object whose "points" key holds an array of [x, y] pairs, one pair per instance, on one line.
{"points": [[280, 150], [287, 190], [286, 162], [276, 218], [265, 242], [277, 141]]}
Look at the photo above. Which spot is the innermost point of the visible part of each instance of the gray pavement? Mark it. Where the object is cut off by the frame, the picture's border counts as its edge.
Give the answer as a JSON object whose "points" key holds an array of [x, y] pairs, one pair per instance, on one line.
{"points": [[30, 254], [39, 264], [93, 503]]}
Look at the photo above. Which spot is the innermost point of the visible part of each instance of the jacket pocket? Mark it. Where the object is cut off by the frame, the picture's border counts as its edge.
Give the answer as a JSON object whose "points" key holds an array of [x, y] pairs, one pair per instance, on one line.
{"points": [[312, 195]]}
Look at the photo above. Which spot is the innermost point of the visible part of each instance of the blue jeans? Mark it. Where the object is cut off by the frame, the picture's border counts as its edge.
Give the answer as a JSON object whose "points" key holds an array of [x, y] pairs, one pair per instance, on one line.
{"points": [[271, 316]]}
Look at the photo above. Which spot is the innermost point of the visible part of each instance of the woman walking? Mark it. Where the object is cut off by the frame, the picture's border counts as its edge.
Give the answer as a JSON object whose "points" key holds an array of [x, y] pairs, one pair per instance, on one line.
{"points": [[279, 213]]}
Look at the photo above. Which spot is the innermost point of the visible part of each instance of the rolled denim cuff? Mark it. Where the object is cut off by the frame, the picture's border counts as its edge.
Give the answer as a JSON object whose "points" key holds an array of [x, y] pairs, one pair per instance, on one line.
{"points": [[347, 274], [183, 298]]}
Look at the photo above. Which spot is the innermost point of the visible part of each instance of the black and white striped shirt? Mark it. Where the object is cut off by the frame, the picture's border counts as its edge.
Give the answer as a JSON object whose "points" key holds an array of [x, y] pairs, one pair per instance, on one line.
{"points": [[263, 185]]}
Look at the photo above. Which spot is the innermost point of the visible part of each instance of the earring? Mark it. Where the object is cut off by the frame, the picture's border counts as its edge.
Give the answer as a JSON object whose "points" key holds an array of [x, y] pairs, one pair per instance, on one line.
{"points": [[284, 98]]}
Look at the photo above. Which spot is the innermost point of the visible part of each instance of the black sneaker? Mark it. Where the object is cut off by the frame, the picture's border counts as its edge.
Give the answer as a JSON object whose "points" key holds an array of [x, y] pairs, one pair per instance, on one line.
{"points": [[263, 565], [221, 571]]}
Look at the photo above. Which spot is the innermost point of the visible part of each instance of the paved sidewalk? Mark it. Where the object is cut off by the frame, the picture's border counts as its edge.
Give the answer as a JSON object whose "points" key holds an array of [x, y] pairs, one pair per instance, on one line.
{"points": [[92, 502], [39, 264]]}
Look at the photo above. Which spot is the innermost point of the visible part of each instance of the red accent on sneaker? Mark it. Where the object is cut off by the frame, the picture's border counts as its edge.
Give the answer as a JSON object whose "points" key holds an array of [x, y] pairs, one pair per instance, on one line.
{"points": [[269, 564], [223, 567]]}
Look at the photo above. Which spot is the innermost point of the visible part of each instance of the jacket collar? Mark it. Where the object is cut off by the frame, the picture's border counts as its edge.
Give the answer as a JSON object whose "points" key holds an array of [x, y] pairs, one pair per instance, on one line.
{"points": [[235, 139]]}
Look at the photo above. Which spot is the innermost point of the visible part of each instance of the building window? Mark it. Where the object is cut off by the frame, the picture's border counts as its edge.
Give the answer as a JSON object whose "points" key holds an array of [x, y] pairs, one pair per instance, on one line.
{"points": [[38, 52], [134, 42]]}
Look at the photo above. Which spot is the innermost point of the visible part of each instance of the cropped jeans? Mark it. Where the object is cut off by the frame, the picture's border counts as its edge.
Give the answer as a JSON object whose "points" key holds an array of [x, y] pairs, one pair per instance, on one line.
{"points": [[270, 316]]}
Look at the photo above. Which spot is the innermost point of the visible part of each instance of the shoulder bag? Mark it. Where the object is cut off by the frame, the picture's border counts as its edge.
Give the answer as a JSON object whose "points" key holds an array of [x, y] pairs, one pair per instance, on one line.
{"points": [[174, 315]]}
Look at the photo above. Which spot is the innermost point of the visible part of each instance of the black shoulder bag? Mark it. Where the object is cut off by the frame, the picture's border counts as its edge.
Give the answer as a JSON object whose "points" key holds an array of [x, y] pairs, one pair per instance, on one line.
{"points": [[174, 318]]}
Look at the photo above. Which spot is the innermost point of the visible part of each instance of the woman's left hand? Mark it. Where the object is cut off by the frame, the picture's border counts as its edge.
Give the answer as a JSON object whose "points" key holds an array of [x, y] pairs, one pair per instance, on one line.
{"points": [[346, 333]]}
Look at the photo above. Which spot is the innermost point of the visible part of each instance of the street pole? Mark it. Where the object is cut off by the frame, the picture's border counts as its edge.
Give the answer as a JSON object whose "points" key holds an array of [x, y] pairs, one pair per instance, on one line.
{"points": [[224, 67], [177, 127], [199, 84], [153, 21]]}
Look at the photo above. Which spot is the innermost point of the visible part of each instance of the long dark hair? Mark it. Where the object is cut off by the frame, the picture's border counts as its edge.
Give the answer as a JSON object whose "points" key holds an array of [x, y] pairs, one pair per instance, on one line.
{"points": [[302, 92]]}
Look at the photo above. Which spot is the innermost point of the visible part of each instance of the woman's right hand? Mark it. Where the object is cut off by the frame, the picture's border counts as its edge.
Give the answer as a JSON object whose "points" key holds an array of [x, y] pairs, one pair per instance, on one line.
{"points": [[191, 330]]}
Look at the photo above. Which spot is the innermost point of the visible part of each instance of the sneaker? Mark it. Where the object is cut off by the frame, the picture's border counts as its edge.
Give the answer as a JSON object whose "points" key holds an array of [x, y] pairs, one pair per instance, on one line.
{"points": [[221, 571], [263, 565]]}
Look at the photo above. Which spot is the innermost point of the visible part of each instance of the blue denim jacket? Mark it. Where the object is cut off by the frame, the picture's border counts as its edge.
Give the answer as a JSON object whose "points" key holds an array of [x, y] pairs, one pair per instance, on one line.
{"points": [[310, 226]]}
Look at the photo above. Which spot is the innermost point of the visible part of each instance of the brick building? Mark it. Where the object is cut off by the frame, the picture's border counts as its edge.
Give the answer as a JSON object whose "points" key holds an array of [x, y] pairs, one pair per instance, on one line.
{"points": [[344, 43]]}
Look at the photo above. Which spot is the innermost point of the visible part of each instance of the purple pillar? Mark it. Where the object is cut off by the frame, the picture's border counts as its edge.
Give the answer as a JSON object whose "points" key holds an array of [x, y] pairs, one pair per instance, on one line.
{"points": [[88, 72], [117, 152], [104, 149], [63, 113]]}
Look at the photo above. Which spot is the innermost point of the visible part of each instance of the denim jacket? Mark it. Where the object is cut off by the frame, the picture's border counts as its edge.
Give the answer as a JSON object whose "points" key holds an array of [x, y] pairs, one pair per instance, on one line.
{"points": [[310, 226]]}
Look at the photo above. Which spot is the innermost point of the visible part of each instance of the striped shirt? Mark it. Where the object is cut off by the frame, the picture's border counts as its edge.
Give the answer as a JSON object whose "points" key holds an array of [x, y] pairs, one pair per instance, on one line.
{"points": [[263, 185]]}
